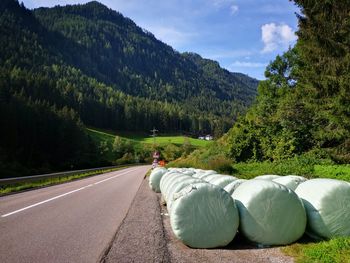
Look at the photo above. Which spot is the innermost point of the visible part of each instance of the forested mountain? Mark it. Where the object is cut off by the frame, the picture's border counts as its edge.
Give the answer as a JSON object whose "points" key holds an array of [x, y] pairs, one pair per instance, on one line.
{"points": [[107, 66], [303, 107], [65, 67]]}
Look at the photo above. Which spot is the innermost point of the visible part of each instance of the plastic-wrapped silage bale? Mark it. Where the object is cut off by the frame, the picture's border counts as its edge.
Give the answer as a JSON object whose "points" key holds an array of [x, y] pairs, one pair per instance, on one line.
{"points": [[270, 213], [210, 177], [268, 177], [231, 187], [327, 204], [204, 216], [167, 176], [223, 180], [291, 181], [155, 177], [206, 173], [171, 183], [166, 179], [188, 172], [178, 187]]}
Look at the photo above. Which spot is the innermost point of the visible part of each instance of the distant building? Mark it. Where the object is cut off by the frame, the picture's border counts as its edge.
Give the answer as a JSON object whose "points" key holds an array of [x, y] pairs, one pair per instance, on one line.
{"points": [[209, 137]]}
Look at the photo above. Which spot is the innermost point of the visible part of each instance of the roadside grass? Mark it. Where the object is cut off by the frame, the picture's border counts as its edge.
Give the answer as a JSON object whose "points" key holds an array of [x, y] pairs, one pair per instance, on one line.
{"points": [[6, 189], [250, 170], [336, 250], [98, 135]]}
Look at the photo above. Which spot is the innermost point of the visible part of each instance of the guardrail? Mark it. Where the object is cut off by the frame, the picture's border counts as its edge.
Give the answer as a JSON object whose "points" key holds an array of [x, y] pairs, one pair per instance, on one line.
{"points": [[26, 179]]}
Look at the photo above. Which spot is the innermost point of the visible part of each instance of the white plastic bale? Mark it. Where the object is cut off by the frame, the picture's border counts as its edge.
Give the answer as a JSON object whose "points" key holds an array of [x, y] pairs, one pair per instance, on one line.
{"points": [[197, 175], [188, 172], [231, 187], [268, 177], [202, 175], [291, 181], [270, 213], [155, 177], [327, 204], [176, 188], [210, 177], [204, 216], [167, 176], [223, 180], [170, 183]]}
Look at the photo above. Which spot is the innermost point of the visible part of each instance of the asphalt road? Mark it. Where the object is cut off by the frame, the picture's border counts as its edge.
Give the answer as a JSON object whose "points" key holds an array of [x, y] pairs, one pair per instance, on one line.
{"points": [[71, 222]]}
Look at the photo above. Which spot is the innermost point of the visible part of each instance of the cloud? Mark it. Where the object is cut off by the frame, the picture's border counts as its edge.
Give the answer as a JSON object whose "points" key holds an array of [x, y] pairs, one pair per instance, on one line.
{"points": [[276, 36], [234, 9], [245, 64], [171, 36], [226, 4]]}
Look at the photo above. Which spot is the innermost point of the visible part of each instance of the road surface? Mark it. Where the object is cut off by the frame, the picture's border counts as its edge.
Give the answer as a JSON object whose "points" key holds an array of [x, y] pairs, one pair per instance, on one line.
{"points": [[71, 222]]}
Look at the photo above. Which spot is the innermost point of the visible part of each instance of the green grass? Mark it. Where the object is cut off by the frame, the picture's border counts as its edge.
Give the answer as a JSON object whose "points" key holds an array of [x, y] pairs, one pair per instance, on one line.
{"points": [[52, 181], [336, 250], [250, 170], [109, 136], [340, 172]]}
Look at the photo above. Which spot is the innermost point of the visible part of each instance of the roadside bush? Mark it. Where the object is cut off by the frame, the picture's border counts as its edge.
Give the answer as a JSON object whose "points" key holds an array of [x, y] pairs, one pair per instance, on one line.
{"points": [[126, 159], [171, 152], [221, 164]]}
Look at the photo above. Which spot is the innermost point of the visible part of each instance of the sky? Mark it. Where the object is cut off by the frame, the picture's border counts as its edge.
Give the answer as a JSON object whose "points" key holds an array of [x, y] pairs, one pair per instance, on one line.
{"points": [[242, 35]]}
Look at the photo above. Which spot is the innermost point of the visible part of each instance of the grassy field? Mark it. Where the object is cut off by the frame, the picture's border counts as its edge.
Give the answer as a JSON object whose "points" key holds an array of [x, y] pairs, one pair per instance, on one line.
{"points": [[161, 140]]}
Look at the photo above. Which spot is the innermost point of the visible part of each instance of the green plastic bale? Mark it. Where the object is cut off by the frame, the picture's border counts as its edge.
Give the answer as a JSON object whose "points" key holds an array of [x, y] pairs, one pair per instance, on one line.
{"points": [[223, 180], [268, 177], [204, 216], [291, 181], [155, 177], [231, 187], [270, 213], [171, 183], [327, 204], [178, 187]]}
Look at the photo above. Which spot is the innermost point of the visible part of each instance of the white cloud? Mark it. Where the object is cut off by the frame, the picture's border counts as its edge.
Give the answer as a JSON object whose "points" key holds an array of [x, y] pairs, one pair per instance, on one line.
{"points": [[276, 36], [171, 36], [226, 4], [245, 64], [234, 9]]}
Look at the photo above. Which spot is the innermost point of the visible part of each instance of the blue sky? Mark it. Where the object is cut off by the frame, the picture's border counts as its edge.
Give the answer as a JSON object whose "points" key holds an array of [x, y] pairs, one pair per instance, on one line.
{"points": [[242, 35]]}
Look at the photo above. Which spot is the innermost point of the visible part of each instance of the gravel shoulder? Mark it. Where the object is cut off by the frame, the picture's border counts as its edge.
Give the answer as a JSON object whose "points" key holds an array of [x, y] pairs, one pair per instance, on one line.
{"points": [[146, 236]]}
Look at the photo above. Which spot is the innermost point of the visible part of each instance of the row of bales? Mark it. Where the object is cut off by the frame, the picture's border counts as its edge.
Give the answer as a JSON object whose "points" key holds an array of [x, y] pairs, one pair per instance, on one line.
{"points": [[207, 209]]}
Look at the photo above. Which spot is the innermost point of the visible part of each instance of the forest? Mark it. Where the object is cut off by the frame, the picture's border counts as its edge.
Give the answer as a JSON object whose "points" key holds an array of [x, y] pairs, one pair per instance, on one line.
{"points": [[65, 68]]}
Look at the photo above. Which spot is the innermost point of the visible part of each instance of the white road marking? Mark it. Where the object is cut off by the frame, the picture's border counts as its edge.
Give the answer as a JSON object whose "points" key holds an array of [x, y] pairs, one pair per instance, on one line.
{"points": [[68, 193]]}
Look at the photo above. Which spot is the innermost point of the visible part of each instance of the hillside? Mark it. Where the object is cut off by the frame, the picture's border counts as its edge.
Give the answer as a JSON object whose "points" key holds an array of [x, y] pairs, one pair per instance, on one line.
{"points": [[65, 68], [115, 74]]}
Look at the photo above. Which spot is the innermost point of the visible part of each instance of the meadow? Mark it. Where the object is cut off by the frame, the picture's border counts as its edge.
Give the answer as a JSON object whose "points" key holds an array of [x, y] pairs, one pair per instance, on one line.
{"points": [[109, 136]]}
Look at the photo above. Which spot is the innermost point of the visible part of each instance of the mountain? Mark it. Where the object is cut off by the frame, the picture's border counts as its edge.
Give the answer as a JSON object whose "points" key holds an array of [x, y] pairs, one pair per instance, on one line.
{"points": [[100, 44], [89, 65]]}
